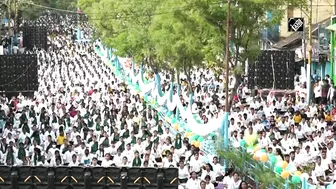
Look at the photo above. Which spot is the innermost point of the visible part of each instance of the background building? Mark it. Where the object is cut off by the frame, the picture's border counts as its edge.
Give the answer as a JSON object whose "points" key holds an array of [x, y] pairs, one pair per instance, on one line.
{"points": [[321, 10]]}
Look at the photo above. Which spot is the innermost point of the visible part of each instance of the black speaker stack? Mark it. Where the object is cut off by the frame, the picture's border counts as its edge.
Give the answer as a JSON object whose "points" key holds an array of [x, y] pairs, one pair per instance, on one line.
{"points": [[273, 70], [80, 177], [18, 73], [35, 36]]}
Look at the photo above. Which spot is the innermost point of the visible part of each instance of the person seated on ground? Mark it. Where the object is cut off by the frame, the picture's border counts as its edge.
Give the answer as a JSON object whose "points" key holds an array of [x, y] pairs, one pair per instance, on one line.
{"points": [[193, 181], [136, 161], [107, 161]]}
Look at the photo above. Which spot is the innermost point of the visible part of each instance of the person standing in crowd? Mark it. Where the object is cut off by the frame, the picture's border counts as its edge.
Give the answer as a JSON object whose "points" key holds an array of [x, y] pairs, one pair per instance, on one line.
{"points": [[332, 94]]}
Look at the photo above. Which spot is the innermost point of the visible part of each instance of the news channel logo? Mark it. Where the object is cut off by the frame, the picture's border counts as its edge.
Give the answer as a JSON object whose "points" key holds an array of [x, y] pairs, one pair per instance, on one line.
{"points": [[295, 24]]}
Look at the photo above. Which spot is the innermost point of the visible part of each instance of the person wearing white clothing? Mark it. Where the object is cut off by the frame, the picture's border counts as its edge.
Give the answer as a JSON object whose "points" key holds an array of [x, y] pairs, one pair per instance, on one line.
{"points": [[319, 170], [80, 150], [183, 173], [331, 95], [193, 182], [208, 172], [317, 93], [107, 161], [203, 185], [235, 181], [68, 155], [196, 164], [217, 169], [124, 162], [169, 161], [74, 161], [209, 185], [86, 158], [228, 180]]}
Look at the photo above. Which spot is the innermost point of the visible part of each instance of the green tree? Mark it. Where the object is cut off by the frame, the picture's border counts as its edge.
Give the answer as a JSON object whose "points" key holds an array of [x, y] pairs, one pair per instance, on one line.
{"points": [[177, 36], [127, 28], [181, 35]]}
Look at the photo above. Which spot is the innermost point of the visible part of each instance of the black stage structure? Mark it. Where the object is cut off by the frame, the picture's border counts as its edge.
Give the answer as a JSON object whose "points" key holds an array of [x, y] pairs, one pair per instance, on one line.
{"points": [[273, 69], [18, 73], [40, 177]]}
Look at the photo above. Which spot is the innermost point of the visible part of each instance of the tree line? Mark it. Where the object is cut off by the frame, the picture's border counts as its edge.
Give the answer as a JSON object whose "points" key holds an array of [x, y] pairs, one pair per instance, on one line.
{"points": [[178, 36]]}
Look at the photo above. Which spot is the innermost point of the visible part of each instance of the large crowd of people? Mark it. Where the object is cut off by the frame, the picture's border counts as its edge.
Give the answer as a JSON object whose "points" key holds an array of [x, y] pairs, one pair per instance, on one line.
{"points": [[83, 115], [299, 133]]}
